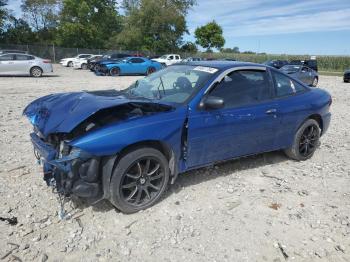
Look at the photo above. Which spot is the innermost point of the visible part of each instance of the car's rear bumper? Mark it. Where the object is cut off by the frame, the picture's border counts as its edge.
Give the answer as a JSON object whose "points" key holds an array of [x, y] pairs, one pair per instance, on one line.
{"points": [[346, 78]]}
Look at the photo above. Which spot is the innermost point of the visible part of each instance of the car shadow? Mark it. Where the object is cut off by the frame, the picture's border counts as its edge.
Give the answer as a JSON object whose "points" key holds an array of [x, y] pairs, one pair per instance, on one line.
{"points": [[202, 175]]}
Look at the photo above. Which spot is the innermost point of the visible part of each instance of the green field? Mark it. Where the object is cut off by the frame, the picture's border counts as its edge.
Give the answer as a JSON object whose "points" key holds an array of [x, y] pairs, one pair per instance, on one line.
{"points": [[326, 64]]}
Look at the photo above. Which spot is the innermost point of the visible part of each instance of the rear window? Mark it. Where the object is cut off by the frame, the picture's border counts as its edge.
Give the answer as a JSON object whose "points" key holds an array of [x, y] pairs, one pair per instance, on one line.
{"points": [[285, 86]]}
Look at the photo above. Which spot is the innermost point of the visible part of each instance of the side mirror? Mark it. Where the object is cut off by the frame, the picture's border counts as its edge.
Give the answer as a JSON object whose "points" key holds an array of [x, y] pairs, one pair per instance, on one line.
{"points": [[212, 102]]}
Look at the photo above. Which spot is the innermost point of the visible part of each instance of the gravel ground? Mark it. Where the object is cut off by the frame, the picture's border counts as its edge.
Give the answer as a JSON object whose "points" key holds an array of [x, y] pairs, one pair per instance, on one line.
{"points": [[261, 208]]}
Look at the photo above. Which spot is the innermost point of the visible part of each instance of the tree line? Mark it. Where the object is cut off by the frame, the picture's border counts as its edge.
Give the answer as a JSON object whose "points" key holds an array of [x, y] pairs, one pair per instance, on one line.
{"points": [[152, 25]]}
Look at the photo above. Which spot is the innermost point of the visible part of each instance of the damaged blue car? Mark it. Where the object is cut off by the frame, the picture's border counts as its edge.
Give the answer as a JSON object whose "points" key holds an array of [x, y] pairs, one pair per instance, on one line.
{"points": [[128, 66], [127, 146]]}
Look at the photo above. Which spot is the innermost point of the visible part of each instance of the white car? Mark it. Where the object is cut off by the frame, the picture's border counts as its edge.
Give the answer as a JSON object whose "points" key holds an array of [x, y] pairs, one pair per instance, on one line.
{"points": [[70, 60], [24, 64], [168, 59]]}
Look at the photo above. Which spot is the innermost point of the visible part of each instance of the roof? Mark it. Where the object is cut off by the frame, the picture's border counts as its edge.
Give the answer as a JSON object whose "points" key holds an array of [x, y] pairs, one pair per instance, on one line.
{"points": [[222, 65]]}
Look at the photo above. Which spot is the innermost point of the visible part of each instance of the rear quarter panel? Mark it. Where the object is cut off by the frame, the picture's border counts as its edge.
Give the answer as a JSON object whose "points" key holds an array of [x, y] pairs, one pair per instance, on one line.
{"points": [[294, 110]]}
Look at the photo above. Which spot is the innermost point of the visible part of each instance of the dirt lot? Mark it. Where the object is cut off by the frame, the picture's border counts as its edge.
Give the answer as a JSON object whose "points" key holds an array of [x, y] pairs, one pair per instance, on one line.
{"points": [[261, 208]]}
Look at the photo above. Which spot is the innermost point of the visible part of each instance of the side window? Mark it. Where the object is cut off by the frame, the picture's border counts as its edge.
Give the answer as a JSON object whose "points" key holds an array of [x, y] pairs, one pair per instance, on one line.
{"points": [[24, 57], [177, 57], [244, 87], [284, 85], [298, 87], [136, 60], [171, 57], [7, 58]]}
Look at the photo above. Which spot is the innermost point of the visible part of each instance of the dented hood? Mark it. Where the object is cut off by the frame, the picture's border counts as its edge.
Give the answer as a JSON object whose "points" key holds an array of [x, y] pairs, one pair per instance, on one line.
{"points": [[61, 113]]}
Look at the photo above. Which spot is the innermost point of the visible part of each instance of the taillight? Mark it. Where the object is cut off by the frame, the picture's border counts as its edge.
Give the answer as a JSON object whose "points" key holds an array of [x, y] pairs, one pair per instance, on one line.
{"points": [[47, 61]]}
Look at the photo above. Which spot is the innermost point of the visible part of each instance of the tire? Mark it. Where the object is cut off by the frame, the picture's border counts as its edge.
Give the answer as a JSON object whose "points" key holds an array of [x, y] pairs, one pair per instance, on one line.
{"points": [[70, 64], [150, 70], [36, 71], [314, 82], [132, 176], [84, 66], [115, 71], [305, 141]]}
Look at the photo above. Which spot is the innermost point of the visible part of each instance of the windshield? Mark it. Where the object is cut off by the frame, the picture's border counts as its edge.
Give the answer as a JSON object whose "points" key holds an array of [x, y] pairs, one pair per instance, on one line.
{"points": [[291, 68], [163, 57], [174, 84]]}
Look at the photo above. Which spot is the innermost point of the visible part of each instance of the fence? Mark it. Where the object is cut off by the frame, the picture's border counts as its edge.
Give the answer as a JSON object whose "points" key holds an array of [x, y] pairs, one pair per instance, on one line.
{"points": [[56, 53], [325, 63]]}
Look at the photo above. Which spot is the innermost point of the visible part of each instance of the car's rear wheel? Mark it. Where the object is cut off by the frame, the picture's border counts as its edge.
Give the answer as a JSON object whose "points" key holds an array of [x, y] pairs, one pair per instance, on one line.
{"points": [[115, 71], [315, 81], [305, 141], [84, 66], [70, 64], [36, 71], [139, 180], [150, 70]]}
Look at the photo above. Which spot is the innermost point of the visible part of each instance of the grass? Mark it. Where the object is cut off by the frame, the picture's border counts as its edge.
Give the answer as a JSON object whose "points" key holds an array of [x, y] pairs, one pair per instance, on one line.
{"points": [[331, 73]]}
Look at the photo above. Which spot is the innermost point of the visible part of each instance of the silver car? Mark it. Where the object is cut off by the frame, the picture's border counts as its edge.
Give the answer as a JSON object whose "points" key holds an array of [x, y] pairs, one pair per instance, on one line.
{"points": [[303, 73], [24, 64]]}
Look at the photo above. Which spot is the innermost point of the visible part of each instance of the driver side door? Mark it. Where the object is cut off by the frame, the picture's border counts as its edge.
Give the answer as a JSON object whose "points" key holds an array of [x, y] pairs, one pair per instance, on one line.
{"points": [[136, 66], [246, 124]]}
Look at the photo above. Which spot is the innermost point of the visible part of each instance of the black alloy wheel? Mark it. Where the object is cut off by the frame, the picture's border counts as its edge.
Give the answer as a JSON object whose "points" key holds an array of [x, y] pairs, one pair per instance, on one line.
{"points": [[142, 182], [139, 179], [308, 141]]}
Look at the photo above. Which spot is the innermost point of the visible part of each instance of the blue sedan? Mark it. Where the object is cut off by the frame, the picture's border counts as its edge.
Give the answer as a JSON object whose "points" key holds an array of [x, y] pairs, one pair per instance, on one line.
{"points": [[128, 66], [126, 146]]}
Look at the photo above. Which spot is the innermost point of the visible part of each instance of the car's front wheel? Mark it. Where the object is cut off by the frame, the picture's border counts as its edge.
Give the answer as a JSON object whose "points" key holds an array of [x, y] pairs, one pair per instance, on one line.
{"points": [[36, 71], [139, 180], [115, 71], [305, 141], [84, 66], [70, 64]]}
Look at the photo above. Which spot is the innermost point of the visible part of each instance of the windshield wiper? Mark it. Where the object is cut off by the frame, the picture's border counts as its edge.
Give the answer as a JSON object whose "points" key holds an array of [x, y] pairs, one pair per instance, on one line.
{"points": [[161, 83]]}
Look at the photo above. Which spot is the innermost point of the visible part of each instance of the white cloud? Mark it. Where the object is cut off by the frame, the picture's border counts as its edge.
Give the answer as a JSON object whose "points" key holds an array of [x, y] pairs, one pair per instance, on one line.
{"points": [[270, 17]]}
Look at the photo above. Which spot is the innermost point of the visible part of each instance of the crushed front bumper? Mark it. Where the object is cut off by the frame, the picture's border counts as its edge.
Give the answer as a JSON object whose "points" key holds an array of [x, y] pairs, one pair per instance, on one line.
{"points": [[76, 173]]}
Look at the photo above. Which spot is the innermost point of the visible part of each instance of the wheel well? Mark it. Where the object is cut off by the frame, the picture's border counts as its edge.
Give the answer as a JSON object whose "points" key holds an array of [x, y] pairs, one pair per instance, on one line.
{"points": [[162, 147], [30, 70], [319, 120]]}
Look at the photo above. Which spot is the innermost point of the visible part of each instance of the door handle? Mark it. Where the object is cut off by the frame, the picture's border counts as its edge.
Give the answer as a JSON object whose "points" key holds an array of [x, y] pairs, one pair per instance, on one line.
{"points": [[271, 111]]}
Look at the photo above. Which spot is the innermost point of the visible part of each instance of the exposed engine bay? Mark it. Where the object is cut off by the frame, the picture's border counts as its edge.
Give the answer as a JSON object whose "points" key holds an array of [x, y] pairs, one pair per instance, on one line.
{"points": [[73, 172]]}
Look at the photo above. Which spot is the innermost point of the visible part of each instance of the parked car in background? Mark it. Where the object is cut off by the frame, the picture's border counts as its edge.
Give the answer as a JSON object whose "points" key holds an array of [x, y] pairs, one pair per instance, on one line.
{"points": [[347, 76], [126, 146], [311, 63], [92, 60], [69, 61], [7, 51], [276, 63], [303, 73], [191, 59], [82, 63], [24, 64], [129, 66], [168, 60], [108, 58]]}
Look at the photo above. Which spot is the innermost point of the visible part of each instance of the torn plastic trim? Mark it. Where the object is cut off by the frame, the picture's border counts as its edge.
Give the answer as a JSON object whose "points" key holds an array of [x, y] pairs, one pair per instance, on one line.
{"points": [[64, 163]]}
